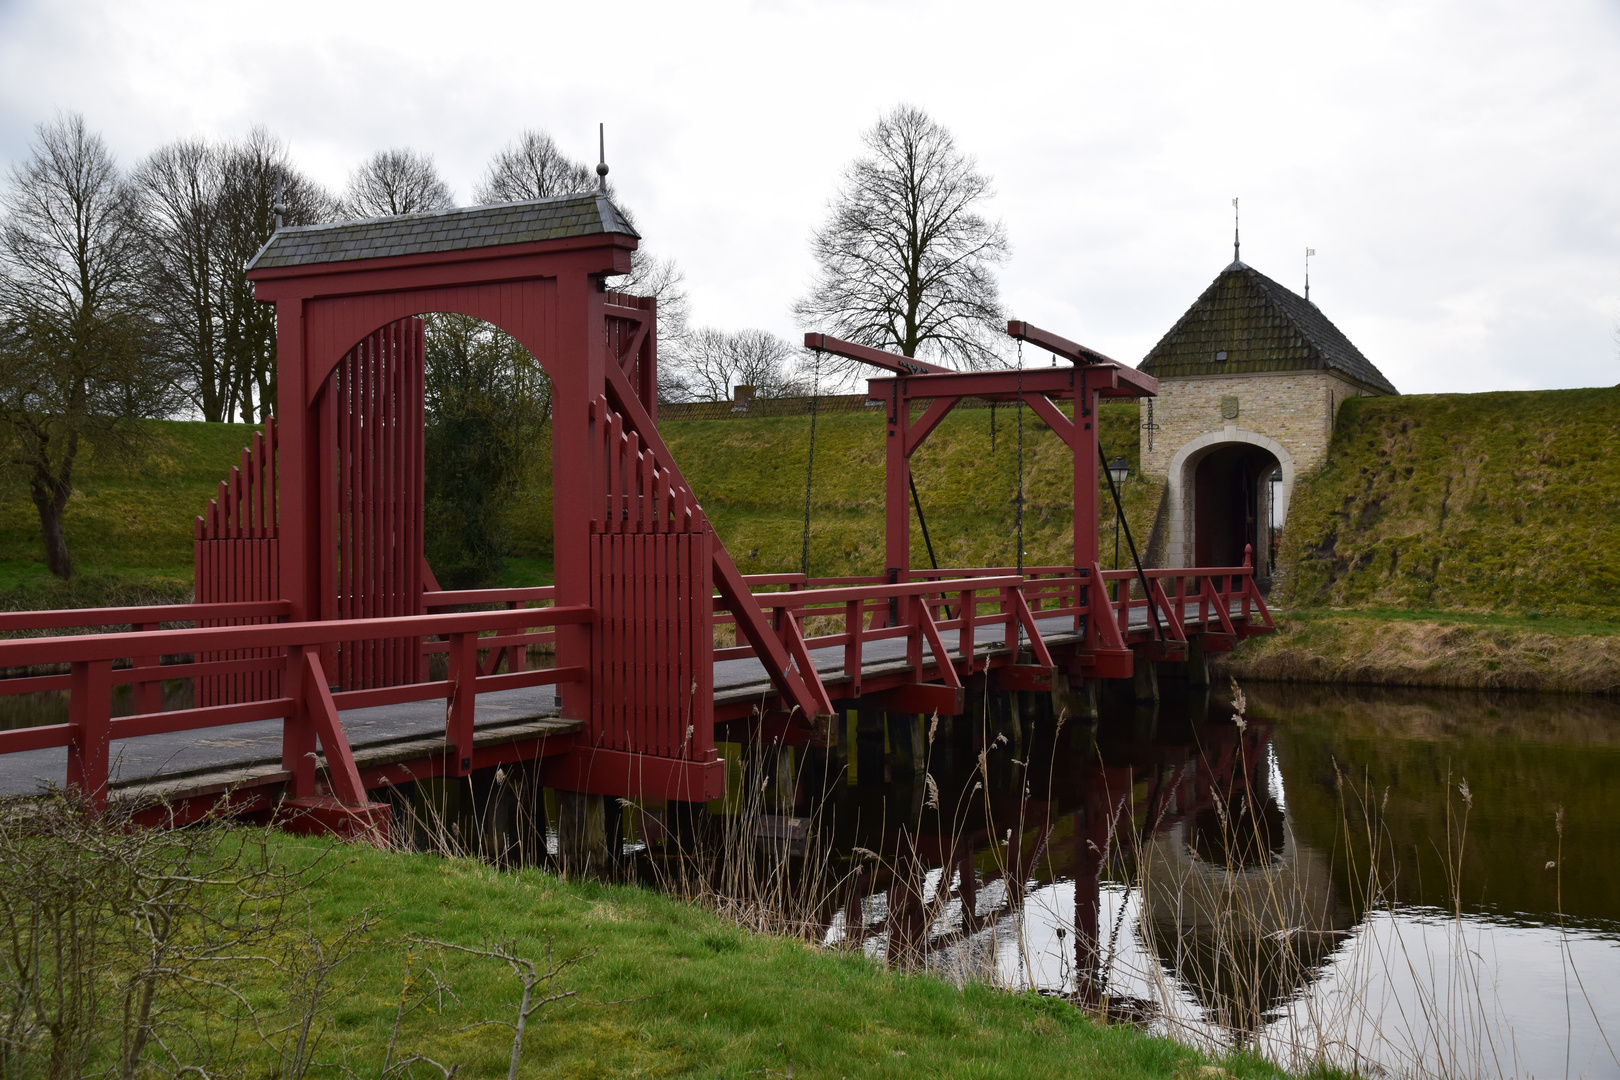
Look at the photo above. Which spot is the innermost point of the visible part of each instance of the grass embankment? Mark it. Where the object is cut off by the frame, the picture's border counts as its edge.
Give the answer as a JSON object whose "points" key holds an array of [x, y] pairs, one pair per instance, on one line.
{"points": [[750, 477], [1385, 647], [1455, 540], [696, 995], [129, 523], [1504, 503]]}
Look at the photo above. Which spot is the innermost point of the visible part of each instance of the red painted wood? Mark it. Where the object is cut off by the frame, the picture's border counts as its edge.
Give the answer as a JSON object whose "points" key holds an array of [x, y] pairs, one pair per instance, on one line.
{"points": [[89, 722]]}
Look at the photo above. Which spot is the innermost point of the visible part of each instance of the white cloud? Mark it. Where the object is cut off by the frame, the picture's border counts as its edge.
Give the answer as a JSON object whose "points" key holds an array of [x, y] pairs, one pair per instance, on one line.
{"points": [[1452, 162]]}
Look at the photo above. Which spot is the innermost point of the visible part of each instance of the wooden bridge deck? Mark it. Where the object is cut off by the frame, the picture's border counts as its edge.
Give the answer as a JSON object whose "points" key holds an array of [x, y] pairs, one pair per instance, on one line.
{"points": [[213, 760]]}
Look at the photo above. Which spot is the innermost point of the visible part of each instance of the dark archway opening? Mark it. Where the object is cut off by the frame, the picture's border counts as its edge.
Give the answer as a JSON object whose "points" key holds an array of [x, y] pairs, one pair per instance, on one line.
{"points": [[1234, 501]]}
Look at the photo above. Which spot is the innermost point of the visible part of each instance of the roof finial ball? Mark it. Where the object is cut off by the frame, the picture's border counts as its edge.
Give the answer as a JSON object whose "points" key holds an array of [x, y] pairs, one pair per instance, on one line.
{"points": [[601, 163]]}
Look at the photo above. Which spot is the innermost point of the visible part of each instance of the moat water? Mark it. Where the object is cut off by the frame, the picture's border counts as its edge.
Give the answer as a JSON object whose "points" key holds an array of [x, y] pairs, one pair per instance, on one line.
{"points": [[1404, 881], [1400, 881]]}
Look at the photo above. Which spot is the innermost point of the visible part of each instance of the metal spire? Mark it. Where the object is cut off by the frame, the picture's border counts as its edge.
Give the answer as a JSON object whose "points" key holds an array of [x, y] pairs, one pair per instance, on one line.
{"points": [[1308, 253], [279, 207], [601, 163], [1236, 245]]}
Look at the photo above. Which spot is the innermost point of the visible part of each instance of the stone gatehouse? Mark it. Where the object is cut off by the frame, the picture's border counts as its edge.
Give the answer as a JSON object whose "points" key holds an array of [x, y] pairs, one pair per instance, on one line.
{"points": [[1250, 379]]}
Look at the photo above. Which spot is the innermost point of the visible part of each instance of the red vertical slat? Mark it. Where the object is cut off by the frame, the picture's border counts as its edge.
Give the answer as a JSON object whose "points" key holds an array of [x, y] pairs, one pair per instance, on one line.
{"points": [[385, 497], [368, 552], [668, 646], [619, 690], [639, 620], [615, 469]]}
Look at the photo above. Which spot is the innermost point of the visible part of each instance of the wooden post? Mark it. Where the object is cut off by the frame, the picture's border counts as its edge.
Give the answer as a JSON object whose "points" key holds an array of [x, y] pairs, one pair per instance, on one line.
{"points": [[582, 840], [90, 716], [1146, 678], [298, 730], [458, 720], [148, 692]]}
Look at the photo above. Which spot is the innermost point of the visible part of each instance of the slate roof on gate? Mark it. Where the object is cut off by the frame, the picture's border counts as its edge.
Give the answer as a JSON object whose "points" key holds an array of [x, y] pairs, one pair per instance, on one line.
{"points": [[457, 229], [1261, 326]]}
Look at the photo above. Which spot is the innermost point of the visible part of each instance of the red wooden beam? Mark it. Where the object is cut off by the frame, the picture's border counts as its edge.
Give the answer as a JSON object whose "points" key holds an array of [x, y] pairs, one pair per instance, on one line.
{"points": [[1059, 346], [900, 365]]}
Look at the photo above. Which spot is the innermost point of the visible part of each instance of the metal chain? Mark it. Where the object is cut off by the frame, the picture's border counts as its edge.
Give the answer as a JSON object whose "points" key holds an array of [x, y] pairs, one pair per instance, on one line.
{"points": [[810, 469], [1020, 499]]}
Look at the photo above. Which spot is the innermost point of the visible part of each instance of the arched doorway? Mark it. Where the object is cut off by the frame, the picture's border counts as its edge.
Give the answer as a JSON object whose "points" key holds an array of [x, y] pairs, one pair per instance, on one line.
{"points": [[1234, 506], [1228, 489]]}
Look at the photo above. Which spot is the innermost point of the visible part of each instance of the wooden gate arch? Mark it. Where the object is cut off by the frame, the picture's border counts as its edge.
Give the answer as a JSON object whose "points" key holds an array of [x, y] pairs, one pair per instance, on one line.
{"points": [[628, 536]]}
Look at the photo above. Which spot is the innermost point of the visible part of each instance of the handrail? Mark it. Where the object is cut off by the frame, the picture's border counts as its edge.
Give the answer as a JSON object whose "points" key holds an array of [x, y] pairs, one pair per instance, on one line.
{"points": [[807, 597], [22, 652], [63, 618]]}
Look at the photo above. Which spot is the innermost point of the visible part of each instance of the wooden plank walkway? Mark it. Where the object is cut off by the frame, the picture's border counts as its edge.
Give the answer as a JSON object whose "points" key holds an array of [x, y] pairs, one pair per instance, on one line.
{"points": [[214, 759]]}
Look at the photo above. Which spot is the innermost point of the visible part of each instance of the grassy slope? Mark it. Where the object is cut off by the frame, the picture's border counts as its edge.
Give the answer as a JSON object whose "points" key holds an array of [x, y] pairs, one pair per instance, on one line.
{"points": [[1505, 503], [750, 477], [700, 997], [128, 524], [1405, 648]]}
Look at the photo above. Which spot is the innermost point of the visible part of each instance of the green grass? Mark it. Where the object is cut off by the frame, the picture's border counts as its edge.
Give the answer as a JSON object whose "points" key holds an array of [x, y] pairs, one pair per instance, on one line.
{"points": [[750, 477], [129, 523], [1503, 503], [697, 996]]}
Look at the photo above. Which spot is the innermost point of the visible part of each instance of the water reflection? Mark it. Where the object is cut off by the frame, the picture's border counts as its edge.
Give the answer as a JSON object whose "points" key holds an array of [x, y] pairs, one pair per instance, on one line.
{"points": [[1285, 883]]}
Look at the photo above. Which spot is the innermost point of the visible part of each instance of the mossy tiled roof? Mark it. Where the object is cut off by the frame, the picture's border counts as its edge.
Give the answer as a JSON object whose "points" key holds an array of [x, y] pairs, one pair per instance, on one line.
{"points": [[458, 229], [1260, 326]]}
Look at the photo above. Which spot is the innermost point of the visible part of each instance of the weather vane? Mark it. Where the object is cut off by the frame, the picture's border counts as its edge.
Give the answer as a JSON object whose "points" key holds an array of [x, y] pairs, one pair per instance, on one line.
{"points": [[1235, 245], [1308, 253]]}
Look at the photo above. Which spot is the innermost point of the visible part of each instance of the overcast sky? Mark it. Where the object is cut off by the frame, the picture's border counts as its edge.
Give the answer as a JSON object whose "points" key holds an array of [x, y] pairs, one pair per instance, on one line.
{"points": [[1455, 165]]}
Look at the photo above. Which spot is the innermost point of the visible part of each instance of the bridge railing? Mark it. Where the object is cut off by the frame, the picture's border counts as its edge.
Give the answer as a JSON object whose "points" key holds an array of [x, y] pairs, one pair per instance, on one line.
{"points": [[513, 648], [1227, 597], [922, 613], [307, 706], [147, 672]]}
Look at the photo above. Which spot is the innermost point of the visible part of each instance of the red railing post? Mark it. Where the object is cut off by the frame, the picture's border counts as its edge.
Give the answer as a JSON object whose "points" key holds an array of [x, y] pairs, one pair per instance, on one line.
{"points": [[1248, 575], [517, 656], [458, 719], [967, 608], [298, 729], [852, 644], [148, 694], [90, 715]]}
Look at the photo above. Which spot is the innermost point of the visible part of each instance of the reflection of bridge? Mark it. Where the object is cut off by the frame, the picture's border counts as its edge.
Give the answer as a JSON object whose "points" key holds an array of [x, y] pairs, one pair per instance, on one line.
{"points": [[1233, 909], [320, 626]]}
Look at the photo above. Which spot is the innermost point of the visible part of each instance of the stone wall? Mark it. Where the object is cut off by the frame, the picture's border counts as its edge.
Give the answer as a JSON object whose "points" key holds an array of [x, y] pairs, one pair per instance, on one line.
{"points": [[1295, 408], [1289, 414]]}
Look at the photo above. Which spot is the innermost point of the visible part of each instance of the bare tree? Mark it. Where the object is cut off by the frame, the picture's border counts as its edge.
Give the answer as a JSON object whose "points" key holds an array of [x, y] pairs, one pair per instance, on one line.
{"points": [[179, 188], [397, 181], [75, 363], [533, 168], [205, 210], [716, 362], [254, 171], [907, 260]]}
